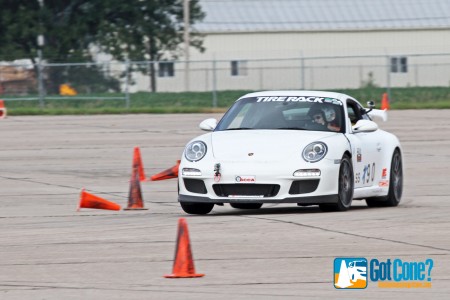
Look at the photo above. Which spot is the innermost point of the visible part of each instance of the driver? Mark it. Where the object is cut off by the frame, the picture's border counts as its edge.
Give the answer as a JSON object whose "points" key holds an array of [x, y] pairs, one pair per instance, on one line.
{"points": [[325, 116], [318, 118]]}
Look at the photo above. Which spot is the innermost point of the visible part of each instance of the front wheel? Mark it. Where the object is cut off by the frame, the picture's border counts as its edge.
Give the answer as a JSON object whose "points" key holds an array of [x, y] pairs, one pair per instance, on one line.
{"points": [[395, 185], [345, 190], [196, 208], [246, 205]]}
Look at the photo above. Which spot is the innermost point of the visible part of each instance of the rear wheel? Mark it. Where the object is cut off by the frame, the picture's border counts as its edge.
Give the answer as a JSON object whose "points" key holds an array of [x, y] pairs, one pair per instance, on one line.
{"points": [[196, 208], [395, 185], [345, 190], [246, 205]]}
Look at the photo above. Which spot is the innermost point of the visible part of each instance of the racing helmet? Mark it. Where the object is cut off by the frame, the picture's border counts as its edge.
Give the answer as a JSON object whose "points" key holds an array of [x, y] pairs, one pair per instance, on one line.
{"points": [[329, 113], [316, 111]]}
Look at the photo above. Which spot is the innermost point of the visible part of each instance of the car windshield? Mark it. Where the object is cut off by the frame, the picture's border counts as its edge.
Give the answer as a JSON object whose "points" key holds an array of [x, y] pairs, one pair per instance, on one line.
{"points": [[284, 113]]}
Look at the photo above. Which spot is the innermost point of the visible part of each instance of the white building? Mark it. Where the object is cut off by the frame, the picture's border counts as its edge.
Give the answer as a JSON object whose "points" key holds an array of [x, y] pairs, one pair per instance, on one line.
{"points": [[317, 44]]}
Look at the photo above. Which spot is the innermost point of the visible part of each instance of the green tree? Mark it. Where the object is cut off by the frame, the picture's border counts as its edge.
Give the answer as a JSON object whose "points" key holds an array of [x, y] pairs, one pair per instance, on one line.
{"points": [[135, 30], [19, 27], [140, 30], [68, 27]]}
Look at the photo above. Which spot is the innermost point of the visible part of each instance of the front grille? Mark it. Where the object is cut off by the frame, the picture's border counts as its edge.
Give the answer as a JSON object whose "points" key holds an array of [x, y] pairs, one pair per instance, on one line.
{"points": [[246, 189], [195, 185], [303, 186]]}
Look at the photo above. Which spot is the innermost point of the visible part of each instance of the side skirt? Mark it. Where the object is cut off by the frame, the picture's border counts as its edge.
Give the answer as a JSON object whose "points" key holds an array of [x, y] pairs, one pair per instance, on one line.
{"points": [[371, 191]]}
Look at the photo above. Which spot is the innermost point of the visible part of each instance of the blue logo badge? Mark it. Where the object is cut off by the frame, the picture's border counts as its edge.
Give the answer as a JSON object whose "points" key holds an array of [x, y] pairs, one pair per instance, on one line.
{"points": [[350, 273]]}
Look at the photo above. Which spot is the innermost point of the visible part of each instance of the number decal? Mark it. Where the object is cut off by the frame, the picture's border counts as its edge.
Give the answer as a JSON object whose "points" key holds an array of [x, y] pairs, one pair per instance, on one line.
{"points": [[368, 174], [364, 174], [373, 172], [357, 177]]}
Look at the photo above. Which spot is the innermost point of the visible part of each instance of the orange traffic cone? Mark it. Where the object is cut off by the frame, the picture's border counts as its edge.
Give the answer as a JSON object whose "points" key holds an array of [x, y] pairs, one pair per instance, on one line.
{"points": [[88, 200], [135, 201], [385, 102], [167, 174], [2, 110], [183, 265], [137, 162]]}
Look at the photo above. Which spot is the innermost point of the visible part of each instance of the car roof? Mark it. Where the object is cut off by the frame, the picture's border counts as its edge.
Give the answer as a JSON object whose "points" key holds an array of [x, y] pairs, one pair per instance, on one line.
{"points": [[334, 95]]}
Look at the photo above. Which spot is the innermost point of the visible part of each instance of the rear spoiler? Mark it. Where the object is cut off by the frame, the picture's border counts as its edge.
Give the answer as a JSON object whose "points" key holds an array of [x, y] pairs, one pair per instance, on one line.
{"points": [[378, 113]]}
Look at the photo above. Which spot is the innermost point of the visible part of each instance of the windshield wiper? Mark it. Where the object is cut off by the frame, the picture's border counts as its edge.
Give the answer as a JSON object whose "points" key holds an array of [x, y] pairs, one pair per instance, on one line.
{"points": [[291, 128], [239, 128], [281, 128]]}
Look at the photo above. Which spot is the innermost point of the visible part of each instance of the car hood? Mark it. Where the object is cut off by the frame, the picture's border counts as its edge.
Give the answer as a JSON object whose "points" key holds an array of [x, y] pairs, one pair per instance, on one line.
{"points": [[263, 145]]}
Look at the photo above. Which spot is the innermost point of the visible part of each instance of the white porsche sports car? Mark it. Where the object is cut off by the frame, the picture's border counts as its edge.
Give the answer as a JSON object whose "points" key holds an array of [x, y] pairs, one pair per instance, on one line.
{"points": [[304, 147]]}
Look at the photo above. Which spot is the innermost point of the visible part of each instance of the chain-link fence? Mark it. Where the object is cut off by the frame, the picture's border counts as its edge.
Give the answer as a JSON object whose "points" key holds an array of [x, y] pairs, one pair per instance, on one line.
{"points": [[116, 80]]}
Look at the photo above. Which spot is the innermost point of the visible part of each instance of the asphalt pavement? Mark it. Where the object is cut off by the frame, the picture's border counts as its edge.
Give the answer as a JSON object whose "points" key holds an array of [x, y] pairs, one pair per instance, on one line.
{"points": [[48, 250]]}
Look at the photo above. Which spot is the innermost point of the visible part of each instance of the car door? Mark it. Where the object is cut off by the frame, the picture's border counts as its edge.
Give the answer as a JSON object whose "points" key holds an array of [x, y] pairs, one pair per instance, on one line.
{"points": [[366, 148]]}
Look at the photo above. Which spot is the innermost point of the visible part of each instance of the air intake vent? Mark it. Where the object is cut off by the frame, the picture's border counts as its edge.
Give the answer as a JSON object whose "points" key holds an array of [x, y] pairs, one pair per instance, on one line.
{"points": [[195, 185], [303, 186], [244, 189]]}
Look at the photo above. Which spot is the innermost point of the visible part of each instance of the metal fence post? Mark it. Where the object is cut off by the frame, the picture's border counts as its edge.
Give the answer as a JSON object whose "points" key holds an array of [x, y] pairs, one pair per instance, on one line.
{"points": [[416, 74], [388, 77], [40, 80], [214, 84], [261, 78], [127, 84], [206, 79], [302, 72]]}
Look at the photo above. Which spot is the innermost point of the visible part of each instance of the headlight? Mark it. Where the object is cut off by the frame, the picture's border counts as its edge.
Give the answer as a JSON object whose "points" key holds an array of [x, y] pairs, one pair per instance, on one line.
{"points": [[191, 172], [195, 151], [307, 173], [315, 152]]}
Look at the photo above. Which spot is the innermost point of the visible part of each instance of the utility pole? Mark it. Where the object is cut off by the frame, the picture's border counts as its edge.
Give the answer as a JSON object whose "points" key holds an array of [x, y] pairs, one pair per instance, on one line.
{"points": [[186, 18], [40, 43]]}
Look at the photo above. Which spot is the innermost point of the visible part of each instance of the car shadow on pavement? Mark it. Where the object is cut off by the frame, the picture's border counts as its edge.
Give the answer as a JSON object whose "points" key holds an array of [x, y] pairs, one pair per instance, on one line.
{"points": [[265, 210], [276, 209]]}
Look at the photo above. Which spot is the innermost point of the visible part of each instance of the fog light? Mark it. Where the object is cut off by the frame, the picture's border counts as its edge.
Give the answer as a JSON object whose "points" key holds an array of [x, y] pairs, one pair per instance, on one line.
{"points": [[307, 173], [191, 172]]}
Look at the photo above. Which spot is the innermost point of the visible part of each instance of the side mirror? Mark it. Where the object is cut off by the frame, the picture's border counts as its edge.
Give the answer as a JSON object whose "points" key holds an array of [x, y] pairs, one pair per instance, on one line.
{"points": [[208, 124], [364, 126]]}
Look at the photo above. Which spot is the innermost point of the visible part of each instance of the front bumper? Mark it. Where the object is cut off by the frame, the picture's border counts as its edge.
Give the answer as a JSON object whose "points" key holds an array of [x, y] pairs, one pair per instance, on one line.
{"points": [[300, 200], [274, 183]]}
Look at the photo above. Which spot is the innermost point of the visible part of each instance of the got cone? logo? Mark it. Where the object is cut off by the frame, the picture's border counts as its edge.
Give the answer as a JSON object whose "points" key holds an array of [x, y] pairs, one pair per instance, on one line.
{"points": [[350, 273]]}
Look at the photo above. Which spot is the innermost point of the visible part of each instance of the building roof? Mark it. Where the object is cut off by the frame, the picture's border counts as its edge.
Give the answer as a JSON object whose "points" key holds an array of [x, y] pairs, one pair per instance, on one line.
{"points": [[322, 15]]}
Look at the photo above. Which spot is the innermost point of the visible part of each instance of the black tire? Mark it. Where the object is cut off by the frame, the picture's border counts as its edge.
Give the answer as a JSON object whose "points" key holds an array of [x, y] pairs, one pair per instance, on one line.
{"points": [[196, 208], [246, 205], [345, 190], [395, 185]]}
